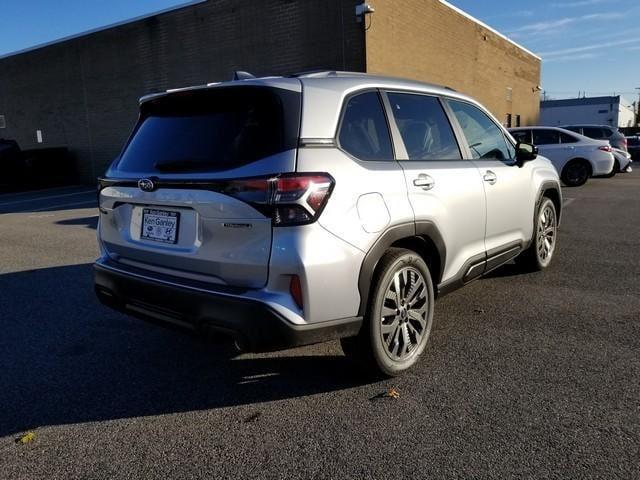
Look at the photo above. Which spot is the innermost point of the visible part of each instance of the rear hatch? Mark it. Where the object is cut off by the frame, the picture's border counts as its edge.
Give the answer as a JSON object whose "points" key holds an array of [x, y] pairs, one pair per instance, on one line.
{"points": [[189, 194]]}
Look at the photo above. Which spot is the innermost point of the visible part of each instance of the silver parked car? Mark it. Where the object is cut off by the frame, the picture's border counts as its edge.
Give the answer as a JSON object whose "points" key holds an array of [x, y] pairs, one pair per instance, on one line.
{"points": [[290, 211], [575, 156]]}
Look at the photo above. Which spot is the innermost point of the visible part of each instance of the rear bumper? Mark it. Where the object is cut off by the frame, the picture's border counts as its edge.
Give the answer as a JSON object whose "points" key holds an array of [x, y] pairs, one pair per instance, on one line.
{"points": [[254, 325]]}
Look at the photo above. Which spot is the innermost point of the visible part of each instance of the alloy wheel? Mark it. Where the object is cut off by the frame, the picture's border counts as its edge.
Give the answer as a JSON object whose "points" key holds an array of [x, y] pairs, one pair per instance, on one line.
{"points": [[546, 234], [404, 314], [577, 172]]}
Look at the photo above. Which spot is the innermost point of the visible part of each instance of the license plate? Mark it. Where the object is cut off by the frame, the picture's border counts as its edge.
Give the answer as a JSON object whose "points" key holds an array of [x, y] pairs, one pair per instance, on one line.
{"points": [[160, 225]]}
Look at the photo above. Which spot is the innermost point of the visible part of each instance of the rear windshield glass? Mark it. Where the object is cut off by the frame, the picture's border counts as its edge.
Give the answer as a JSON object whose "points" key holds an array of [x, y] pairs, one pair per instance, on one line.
{"points": [[212, 130]]}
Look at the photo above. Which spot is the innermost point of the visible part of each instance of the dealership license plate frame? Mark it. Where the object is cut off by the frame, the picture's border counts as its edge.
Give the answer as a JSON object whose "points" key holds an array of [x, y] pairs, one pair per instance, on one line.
{"points": [[151, 236]]}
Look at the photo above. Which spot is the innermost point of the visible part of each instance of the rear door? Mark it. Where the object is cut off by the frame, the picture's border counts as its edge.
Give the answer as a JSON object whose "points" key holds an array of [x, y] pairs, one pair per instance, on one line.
{"points": [[548, 143], [186, 195], [443, 188]]}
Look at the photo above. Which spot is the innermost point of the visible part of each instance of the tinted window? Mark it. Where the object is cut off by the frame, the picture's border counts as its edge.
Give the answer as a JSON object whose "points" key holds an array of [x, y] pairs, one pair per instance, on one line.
{"points": [[633, 140], [546, 137], [593, 132], [424, 127], [574, 129], [566, 138], [607, 132], [212, 130], [523, 136], [484, 137], [364, 132]]}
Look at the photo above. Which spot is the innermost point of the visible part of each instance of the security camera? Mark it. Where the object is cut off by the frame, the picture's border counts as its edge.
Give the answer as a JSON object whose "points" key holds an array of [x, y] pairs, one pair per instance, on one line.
{"points": [[362, 10]]}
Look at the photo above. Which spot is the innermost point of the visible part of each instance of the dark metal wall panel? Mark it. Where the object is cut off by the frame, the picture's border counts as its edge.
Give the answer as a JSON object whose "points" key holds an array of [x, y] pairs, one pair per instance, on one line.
{"points": [[82, 93]]}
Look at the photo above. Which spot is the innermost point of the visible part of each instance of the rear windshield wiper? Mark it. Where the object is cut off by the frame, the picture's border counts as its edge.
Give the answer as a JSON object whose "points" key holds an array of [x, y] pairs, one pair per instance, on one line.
{"points": [[183, 165]]}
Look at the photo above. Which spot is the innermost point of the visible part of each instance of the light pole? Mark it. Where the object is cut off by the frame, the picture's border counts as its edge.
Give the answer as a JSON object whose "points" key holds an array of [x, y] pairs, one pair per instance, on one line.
{"points": [[638, 108]]}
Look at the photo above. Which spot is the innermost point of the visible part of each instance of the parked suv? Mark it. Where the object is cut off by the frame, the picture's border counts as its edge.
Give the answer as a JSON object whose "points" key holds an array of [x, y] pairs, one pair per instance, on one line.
{"points": [[633, 143], [290, 211], [601, 132]]}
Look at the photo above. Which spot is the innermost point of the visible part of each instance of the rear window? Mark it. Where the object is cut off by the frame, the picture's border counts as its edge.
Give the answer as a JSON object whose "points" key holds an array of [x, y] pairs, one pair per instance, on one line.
{"points": [[633, 141], [212, 130], [424, 127]]}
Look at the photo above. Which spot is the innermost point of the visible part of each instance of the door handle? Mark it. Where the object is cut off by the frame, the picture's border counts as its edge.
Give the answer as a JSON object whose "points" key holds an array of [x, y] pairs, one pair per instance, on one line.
{"points": [[424, 181], [490, 177]]}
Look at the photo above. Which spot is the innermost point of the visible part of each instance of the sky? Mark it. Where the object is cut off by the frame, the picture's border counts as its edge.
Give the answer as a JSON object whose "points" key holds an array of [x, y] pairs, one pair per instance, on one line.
{"points": [[590, 46]]}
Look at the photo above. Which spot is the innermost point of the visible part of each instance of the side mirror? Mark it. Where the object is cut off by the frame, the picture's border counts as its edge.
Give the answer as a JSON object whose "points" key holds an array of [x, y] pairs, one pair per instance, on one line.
{"points": [[525, 152]]}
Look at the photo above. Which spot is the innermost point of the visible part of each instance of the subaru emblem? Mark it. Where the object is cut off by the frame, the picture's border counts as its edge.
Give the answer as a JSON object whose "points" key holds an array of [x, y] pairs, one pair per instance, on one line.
{"points": [[146, 185]]}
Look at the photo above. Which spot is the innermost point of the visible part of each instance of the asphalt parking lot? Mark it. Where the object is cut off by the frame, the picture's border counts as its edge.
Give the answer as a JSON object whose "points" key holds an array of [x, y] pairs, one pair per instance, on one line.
{"points": [[534, 375]]}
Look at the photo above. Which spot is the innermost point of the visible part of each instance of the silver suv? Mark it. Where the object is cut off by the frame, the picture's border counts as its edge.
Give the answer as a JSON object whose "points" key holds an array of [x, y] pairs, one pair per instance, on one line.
{"points": [[290, 211]]}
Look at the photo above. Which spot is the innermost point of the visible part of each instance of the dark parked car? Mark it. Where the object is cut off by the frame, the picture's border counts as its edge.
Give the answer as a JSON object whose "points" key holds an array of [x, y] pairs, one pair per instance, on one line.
{"points": [[13, 168], [34, 168], [633, 144]]}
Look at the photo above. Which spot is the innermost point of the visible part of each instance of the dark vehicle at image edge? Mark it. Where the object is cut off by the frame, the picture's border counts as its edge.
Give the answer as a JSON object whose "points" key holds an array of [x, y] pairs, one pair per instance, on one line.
{"points": [[287, 211]]}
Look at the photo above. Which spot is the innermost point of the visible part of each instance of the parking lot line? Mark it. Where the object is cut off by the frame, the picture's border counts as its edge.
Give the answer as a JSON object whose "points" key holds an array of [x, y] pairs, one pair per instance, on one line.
{"points": [[65, 205], [568, 201], [50, 197]]}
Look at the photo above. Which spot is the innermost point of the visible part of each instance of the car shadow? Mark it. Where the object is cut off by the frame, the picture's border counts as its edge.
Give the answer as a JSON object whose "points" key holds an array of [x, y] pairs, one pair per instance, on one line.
{"points": [[507, 270], [89, 222], [67, 359]]}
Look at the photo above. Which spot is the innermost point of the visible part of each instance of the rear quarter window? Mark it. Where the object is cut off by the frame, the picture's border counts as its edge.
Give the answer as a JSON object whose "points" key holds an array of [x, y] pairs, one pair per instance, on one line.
{"points": [[594, 132], [364, 132], [546, 137]]}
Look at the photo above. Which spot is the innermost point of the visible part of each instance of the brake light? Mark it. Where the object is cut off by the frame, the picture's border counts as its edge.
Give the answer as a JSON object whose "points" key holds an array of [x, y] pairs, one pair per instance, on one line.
{"points": [[290, 199], [605, 148]]}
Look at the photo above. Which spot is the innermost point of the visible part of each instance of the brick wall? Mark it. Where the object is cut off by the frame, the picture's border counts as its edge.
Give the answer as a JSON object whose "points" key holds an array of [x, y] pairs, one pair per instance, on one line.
{"points": [[82, 93], [428, 41]]}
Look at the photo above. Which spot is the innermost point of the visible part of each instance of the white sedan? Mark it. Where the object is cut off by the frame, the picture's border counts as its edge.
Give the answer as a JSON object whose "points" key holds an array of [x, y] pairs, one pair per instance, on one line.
{"points": [[575, 157]]}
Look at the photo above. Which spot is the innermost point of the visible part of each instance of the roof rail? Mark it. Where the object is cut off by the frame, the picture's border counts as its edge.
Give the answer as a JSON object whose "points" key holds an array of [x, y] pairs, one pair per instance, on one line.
{"points": [[326, 73], [242, 75]]}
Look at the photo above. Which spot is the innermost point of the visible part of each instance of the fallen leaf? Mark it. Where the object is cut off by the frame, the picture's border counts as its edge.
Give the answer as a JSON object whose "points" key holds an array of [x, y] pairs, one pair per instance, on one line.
{"points": [[26, 438], [391, 393]]}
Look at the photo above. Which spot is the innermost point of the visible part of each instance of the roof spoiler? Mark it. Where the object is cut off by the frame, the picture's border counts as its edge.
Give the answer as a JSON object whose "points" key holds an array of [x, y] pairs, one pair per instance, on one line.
{"points": [[241, 75]]}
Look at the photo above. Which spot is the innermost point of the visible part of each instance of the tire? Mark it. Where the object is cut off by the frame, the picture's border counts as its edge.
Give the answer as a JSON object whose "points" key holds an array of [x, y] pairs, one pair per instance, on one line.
{"points": [[543, 244], [396, 328], [576, 173], [614, 170]]}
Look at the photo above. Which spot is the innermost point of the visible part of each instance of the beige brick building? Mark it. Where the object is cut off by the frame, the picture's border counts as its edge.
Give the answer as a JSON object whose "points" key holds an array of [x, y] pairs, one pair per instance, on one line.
{"points": [[432, 41], [81, 92]]}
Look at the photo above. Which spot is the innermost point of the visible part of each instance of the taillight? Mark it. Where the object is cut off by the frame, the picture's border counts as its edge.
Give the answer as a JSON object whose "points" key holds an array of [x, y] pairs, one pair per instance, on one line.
{"points": [[289, 199], [605, 148]]}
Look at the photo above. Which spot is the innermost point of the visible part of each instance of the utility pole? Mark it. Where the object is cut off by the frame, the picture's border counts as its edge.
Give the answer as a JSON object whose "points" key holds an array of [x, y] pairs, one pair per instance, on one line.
{"points": [[638, 108]]}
